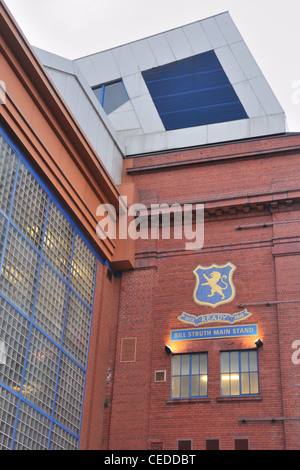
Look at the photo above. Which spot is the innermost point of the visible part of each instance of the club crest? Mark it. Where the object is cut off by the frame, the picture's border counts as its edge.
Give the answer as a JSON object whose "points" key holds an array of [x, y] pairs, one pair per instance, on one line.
{"points": [[214, 284]]}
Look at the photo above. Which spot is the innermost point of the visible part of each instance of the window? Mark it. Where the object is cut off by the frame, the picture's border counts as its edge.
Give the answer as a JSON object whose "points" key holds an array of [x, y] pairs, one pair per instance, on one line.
{"points": [[189, 375], [239, 373], [212, 444], [111, 95], [185, 445], [160, 376], [241, 444]]}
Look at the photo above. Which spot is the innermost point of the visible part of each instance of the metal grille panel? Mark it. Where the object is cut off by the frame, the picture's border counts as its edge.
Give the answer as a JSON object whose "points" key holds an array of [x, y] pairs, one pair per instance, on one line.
{"points": [[62, 440], [19, 271], [30, 207], [33, 429], [51, 302], [47, 278], [8, 170], [83, 271], [8, 412], [58, 241], [69, 394], [14, 331], [41, 372], [77, 329]]}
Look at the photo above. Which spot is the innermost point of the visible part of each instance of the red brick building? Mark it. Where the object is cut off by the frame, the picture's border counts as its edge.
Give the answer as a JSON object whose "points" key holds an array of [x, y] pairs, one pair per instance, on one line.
{"points": [[251, 196], [115, 343]]}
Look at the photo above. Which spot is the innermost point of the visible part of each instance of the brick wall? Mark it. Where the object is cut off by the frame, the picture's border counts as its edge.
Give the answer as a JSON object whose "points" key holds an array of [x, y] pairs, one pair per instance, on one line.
{"points": [[251, 195], [96, 418]]}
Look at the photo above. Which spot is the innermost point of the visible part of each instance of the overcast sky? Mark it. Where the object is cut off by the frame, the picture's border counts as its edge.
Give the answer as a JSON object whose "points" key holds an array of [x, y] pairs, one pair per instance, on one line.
{"points": [[74, 28]]}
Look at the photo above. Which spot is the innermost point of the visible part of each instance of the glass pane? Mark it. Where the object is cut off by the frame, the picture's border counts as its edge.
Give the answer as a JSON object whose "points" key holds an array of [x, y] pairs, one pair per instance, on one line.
{"points": [[58, 241], [19, 271], [176, 365], [245, 383], [203, 363], [30, 207], [69, 395], [41, 372], [33, 429], [235, 384], [195, 364], [203, 385], [50, 303], [8, 411], [244, 361], [83, 271], [175, 387], [114, 96], [77, 329], [195, 385], [254, 382], [185, 364], [98, 93], [224, 362], [14, 333], [234, 361], [62, 440], [3, 227], [185, 382], [225, 384], [253, 360], [8, 169]]}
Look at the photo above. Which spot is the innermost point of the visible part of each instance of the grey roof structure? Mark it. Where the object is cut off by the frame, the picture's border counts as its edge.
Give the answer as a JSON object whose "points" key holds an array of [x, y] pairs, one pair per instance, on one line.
{"points": [[190, 86]]}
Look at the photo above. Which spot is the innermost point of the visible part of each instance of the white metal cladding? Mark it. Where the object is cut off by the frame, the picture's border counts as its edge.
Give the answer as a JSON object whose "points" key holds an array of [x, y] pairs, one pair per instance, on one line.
{"points": [[136, 127], [145, 131]]}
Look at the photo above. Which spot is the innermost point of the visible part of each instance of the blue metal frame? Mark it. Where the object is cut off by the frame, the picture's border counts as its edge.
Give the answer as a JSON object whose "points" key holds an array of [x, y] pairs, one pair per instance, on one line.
{"points": [[78, 232]]}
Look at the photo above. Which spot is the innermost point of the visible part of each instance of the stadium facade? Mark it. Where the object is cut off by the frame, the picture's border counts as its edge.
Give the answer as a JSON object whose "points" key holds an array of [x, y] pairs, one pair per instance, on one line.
{"points": [[156, 338]]}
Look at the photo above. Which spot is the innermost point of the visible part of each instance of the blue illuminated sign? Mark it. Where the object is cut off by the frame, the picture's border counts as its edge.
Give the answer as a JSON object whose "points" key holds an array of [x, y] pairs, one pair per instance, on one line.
{"points": [[213, 333]]}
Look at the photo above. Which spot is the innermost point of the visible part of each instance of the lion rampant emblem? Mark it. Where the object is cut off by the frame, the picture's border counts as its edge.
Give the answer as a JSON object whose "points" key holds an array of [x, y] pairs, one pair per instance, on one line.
{"points": [[214, 284]]}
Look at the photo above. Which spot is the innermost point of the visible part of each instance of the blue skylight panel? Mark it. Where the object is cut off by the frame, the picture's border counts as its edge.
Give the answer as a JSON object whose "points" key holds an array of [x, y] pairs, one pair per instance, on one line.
{"points": [[193, 92]]}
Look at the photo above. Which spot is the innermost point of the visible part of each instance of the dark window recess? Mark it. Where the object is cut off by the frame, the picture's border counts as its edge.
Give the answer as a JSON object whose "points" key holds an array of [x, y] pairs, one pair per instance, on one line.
{"points": [[160, 376], [109, 274], [241, 444], [212, 444], [155, 445], [111, 95], [185, 445]]}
